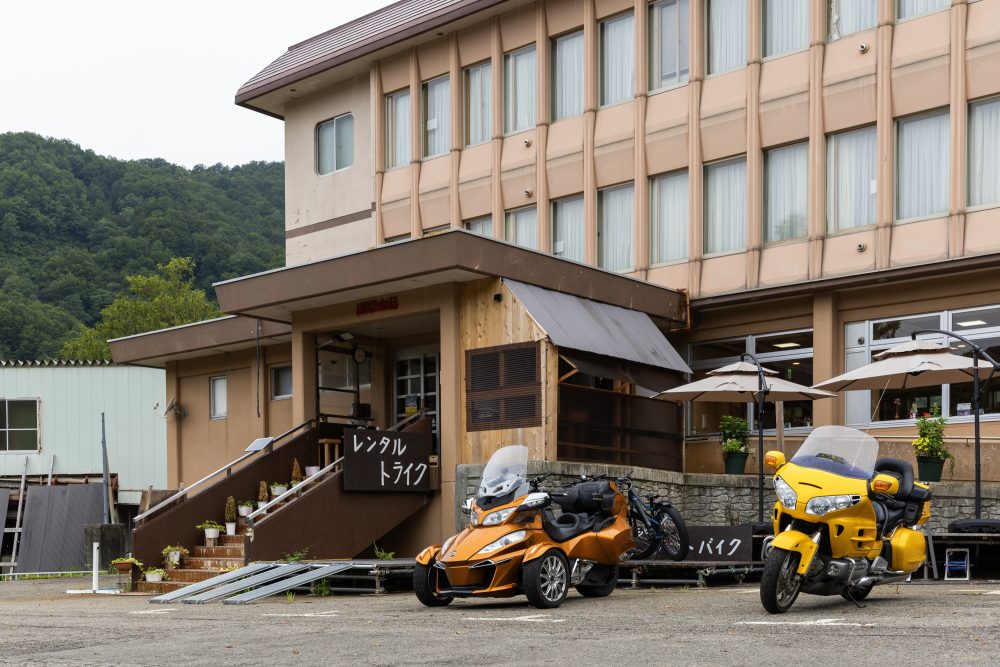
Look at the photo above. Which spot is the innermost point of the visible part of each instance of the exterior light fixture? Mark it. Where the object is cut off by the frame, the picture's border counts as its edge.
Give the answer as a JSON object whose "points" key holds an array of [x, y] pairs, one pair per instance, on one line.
{"points": [[785, 346], [971, 323]]}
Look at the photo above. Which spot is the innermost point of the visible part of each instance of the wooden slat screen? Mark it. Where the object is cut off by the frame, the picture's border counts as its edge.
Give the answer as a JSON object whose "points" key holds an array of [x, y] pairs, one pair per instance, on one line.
{"points": [[503, 387]]}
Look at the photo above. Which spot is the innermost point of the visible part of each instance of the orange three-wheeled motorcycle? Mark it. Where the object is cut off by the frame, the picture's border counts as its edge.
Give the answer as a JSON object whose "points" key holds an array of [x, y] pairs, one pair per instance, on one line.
{"points": [[515, 544]]}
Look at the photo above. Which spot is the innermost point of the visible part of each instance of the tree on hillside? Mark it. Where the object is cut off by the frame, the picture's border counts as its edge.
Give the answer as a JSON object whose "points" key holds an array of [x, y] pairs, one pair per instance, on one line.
{"points": [[166, 298]]}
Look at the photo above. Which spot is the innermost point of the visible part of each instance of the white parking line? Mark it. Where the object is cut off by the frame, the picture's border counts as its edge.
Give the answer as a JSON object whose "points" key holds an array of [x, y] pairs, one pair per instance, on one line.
{"points": [[316, 614], [164, 610], [533, 618], [974, 591], [819, 622]]}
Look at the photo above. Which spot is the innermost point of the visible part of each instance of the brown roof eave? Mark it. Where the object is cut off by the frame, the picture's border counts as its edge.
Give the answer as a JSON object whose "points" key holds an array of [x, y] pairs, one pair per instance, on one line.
{"points": [[159, 345]]}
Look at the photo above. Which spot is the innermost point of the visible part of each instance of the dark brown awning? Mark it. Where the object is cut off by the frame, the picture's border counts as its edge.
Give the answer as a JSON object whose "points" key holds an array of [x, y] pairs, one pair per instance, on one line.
{"points": [[648, 377]]}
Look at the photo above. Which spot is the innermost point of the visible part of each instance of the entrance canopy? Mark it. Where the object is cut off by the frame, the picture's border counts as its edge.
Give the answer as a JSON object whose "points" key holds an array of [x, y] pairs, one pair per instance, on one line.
{"points": [[614, 342]]}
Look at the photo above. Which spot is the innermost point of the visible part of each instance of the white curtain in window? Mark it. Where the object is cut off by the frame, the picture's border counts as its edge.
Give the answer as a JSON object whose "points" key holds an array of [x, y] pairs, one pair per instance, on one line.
{"points": [[616, 228], [669, 219], [668, 42], [851, 16], [345, 141], [617, 59], [786, 26], [727, 35], [567, 88], [218, 398], [850, 179], [909, 8], [437, 113], [726, 205], [477, 104], [522, 227], [326, 147], [786, 186], [567, 228], [482, 226], [922, 162], [519, 90], [397, 129], [984, 152]]}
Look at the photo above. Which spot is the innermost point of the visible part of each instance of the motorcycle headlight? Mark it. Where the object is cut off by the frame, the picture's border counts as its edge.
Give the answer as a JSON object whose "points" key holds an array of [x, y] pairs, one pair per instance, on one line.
{"points": [[505, 541], [821, 505], [785, 493], [494, 518], [447, 543]]}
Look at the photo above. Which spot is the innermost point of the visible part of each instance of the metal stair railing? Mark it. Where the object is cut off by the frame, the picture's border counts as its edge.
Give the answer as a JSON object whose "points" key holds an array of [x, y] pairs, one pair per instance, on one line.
{"points": [[295, 491]]}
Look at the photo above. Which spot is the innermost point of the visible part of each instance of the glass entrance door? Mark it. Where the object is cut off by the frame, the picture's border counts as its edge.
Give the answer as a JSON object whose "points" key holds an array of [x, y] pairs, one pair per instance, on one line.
{"points": [[416, 383]]}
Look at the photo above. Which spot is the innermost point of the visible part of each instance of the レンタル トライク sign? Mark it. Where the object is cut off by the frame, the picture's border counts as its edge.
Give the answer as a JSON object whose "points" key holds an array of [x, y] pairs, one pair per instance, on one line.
{"points": [[386, 460]]}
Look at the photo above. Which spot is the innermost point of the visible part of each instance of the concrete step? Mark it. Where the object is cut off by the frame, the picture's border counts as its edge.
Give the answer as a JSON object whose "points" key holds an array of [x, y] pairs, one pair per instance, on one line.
{"points": [[227, 551], [228, 540], [159, 587], [211, 562], [191, 575]]}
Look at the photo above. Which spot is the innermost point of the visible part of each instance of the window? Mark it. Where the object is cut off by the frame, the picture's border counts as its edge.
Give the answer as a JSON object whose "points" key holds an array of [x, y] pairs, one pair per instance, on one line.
{"points": [[519, 90], [617, 59], [846, 17], [478, 105], [567, 75], [668, 224], [984, 152], [616, 228], [503, 388], [668, 43], [906, 9], [922, 171], [786, 26], [727, 35], [335, 144], [281, 382], [568, 228], [397, 129], [436, 117], [522, 227], [19, 425], [726, 205], [482, 225], [217, 397], [785, 189], [850, 179]]}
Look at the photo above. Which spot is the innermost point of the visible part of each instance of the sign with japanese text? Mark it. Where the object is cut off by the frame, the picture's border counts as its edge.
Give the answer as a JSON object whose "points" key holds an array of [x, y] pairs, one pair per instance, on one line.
{"points": [[720, 543], [386, 460]]}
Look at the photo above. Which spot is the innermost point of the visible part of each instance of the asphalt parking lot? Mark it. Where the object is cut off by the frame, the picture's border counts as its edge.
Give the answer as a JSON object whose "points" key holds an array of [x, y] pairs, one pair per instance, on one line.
{"points": [[952, 623]]}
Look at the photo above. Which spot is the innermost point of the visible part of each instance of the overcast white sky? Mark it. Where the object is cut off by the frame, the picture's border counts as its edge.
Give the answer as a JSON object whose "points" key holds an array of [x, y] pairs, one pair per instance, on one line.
{"points": [[135, 79]]}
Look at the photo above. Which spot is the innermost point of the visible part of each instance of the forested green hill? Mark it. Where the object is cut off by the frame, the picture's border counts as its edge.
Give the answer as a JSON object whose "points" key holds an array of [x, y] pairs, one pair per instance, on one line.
{"points": [[73, 224]]}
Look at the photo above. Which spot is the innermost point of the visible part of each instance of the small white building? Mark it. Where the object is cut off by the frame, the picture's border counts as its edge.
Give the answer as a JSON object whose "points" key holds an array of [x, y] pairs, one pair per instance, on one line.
{"points": [[50, 413]]}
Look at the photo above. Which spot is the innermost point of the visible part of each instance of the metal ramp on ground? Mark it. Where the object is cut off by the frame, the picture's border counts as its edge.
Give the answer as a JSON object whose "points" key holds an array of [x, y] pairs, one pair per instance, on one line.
{"points": [[288, 584], [202, 586], [279, 572]]}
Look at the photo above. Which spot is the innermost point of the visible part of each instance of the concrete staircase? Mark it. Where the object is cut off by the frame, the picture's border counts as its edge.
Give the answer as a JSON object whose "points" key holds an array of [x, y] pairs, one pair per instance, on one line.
{"points": [[203, 563]]}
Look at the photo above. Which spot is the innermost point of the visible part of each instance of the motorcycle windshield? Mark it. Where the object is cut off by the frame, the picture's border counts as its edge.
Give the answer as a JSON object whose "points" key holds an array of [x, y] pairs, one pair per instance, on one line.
{"points": [[504, 478], [839, 449]]}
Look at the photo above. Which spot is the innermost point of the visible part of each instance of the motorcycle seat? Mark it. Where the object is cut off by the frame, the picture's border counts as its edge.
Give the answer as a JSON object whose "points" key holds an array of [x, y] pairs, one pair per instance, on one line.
{"points": [[567, 526], [586, 497]]}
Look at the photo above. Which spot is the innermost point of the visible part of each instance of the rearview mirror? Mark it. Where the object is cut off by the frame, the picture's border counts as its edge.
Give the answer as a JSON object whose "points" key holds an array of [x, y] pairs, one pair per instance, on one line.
{"points": [[774, 459]]}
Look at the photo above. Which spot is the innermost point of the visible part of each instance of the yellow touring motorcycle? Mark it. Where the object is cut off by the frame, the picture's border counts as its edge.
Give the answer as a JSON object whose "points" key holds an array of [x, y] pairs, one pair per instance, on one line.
{"points": [[843, 521]]}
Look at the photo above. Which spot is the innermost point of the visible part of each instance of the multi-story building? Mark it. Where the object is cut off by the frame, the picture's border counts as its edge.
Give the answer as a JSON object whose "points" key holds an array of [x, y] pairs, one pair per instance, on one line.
{"points": [[809, 181]]}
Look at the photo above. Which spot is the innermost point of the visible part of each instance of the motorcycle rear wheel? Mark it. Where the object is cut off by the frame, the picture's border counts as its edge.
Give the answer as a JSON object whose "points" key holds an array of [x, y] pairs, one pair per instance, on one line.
{"points": [[423, 586], [589, 589], [779, 584]]}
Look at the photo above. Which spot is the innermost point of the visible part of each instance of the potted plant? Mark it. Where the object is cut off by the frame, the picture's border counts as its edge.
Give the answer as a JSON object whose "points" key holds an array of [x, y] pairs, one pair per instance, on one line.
{"points": [[312, 470], [155, 574], [929, 447], [230, 516], [211, 529], [124, 565], [735, 436], [245, 507], [172, 555], [277, 488], [262, 496], [296, 472]]}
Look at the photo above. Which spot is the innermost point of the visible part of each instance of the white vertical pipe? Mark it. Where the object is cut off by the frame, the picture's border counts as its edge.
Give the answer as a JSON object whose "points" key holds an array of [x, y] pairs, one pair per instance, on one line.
{"points": [[96, 561]]}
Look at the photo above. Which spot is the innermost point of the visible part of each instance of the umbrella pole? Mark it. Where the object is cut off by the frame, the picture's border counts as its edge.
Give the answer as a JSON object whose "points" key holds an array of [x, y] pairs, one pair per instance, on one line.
{"points": [[761, 397]]}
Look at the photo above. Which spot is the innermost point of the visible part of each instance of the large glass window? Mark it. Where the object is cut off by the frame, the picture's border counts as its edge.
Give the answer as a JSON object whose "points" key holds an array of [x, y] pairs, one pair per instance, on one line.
{"points": [[281, 382], [519, 90], [568, 228], [217, 397], [567, 75], [478, 105], [616, 228], [906, 9], [522, 227], [726, 205], [482, 225], [922, 165], [846, 17], [18, 425], [335, 144], [727, 35], [786, 185], [850, 179], [786, 26], [668, 43], [436, 116], [984, 152], [397, 129], [618, 59], [668, 220]]}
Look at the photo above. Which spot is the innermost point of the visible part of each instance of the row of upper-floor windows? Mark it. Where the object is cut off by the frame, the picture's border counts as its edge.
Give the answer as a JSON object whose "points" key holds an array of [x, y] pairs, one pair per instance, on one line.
{"points": [[922, 190]]}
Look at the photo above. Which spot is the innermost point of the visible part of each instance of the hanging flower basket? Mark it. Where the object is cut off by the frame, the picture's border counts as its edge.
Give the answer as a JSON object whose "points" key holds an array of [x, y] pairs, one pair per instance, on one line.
{"points": [[929, 468]]}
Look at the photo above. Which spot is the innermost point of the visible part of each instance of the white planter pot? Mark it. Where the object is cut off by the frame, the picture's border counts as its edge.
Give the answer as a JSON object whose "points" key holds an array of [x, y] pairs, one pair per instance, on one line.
{"points": [[211, 533], [154, 577], [230, 528], [261, 503], [278, 490], [173, 558], [245, 510], [312, 470]]}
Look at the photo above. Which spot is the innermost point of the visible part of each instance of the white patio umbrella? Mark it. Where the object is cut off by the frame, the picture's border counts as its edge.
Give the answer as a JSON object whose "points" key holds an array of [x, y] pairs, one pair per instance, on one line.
{"points": [[924, 363], [747, 383]]}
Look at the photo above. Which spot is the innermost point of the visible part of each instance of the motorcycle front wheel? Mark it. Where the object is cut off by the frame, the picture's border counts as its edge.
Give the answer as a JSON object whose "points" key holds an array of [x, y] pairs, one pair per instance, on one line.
{"points": [[675, 535], [424, 586], [780, 583]]}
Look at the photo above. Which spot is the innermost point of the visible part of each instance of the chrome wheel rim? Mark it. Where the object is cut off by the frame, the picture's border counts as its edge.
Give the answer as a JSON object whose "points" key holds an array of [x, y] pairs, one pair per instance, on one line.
{"points": [[671, 536], [553, 578], [788, 582]]}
